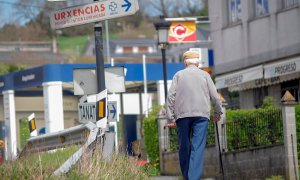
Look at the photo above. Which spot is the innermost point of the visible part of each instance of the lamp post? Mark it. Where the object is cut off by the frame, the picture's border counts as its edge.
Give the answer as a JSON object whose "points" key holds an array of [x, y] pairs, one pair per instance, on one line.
{"points": [[162, 28]]}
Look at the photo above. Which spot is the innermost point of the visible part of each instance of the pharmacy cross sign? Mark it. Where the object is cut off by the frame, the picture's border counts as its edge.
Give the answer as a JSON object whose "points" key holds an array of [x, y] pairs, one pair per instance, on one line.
{"points": [[93, 12]]}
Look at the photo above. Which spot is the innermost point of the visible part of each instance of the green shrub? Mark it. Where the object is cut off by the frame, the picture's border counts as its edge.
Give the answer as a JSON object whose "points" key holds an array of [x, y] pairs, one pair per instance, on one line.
{"points": [[275, 178], [150, 127], [24, 132], [297, 112], [268, 102], [252, 128]]}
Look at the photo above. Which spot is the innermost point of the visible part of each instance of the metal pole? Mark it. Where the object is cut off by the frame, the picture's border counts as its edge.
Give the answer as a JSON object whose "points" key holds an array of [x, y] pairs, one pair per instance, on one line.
{"points": [[145, 83], [99, 56], [163, 52], [107, 41], [220, 155]]}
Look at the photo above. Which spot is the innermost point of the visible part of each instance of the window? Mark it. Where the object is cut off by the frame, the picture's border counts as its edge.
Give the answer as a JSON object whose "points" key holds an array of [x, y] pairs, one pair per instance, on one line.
{"points": [[127, 49], [259, 95], [261, 7], [143, 49], [235, 10], [290, 3]]}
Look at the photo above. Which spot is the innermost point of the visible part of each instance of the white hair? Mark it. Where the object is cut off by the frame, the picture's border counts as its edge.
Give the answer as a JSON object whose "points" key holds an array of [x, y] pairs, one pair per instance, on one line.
{"points": [[192, 60]]}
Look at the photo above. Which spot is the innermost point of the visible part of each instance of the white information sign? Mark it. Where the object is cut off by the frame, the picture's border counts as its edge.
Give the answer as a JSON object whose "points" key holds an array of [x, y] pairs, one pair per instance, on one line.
{"points": [[92, 12], [87, 112], [85, 80]]}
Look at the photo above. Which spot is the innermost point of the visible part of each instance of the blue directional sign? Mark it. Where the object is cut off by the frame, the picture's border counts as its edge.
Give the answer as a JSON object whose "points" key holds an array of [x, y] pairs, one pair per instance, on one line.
{"points": [[112, 111], [127, 5]]}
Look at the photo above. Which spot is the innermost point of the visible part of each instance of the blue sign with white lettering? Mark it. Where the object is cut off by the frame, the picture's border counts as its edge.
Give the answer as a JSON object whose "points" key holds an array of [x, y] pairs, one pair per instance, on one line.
{"points": [[30, 77]]}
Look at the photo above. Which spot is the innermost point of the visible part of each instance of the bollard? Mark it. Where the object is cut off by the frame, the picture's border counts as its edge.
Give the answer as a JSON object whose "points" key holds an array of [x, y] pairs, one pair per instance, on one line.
{"points": [[290, 137], [163, 136]]}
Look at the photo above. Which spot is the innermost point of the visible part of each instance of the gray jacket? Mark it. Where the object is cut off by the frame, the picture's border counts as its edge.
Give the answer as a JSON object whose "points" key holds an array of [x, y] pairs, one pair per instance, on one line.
{"points": [[190, 94]]}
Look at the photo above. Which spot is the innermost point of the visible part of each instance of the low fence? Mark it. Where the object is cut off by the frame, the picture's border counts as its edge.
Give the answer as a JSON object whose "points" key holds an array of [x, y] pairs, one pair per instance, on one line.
{"points": [[259, 144], [255, 130]]}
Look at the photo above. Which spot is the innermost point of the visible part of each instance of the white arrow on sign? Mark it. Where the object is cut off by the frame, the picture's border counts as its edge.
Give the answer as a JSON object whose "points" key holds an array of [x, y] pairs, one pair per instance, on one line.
{"points": [[93, 12], [113, 113]]}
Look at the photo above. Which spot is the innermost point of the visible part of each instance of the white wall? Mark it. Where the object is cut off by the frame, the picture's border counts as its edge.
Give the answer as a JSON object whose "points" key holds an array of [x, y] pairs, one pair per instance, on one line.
{"points": [[253, 40]]}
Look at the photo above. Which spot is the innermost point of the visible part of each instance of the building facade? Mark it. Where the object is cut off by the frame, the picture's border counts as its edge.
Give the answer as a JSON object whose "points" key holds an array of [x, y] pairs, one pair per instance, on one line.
{"points": [[256, 48]]}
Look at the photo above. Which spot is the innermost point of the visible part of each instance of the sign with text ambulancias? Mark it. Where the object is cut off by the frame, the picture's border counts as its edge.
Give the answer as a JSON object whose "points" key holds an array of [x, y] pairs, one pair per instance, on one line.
{"points": [[93, 12]]}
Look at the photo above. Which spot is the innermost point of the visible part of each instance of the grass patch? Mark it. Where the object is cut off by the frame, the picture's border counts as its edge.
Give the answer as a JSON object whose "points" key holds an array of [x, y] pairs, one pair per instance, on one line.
{"points": [[73, 46], [119, 167], [90, 166], [37, 166]]}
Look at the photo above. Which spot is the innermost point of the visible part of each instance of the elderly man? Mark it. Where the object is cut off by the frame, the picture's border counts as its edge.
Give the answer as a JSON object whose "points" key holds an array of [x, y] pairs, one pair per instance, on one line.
{"points": [[188, 104]]}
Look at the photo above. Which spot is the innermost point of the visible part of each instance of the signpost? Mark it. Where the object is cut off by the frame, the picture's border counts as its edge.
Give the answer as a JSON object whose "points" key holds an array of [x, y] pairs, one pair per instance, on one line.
{"points": [[85, 80], [93, 12]]}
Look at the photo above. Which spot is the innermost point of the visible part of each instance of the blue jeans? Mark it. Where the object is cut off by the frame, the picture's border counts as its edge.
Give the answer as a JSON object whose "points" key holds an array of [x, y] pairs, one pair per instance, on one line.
{"points": [[191, 132]]}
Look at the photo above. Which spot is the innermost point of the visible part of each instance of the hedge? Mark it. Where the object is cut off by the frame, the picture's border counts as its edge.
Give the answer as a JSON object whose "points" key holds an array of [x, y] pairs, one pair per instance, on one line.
{"points": [[150, 127], [253, 128], [297, 112]]}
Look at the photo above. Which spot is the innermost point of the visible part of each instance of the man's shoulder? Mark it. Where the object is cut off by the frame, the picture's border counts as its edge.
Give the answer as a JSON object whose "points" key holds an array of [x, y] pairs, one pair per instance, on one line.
{"points": [[198, 70]]}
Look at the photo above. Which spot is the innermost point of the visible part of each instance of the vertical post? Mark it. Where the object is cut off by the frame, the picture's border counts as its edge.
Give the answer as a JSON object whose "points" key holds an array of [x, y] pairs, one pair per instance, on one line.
{"points": [[114, 124], [99, 56], [163, 136], [107, 41], [53, 105], [10, 124], [145, 84], [222, 126], [163, 52], [290, 136]]}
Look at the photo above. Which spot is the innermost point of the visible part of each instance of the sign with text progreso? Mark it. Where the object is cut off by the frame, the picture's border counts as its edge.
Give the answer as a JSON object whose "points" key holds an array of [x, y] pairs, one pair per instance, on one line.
{"points": [[182, 32], [282, 68], [93, 12]]}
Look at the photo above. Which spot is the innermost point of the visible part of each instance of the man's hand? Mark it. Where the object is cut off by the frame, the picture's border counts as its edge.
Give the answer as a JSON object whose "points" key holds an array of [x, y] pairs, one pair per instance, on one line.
{"points": [[171, 124], [217, 117]]}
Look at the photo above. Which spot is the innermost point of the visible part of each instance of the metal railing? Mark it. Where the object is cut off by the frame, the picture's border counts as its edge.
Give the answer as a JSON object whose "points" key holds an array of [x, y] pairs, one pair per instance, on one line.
{"points": [[84, 134], [258, 129], [74, 135]]}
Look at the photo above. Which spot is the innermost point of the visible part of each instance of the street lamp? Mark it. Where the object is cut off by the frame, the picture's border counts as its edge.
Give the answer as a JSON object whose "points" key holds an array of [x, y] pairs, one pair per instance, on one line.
{"points": [[162, 28]]}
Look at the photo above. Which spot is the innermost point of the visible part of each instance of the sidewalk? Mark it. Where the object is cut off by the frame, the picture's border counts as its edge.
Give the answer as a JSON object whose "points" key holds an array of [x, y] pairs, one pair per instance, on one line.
{"points": [[166, 178], [173, 178]]}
